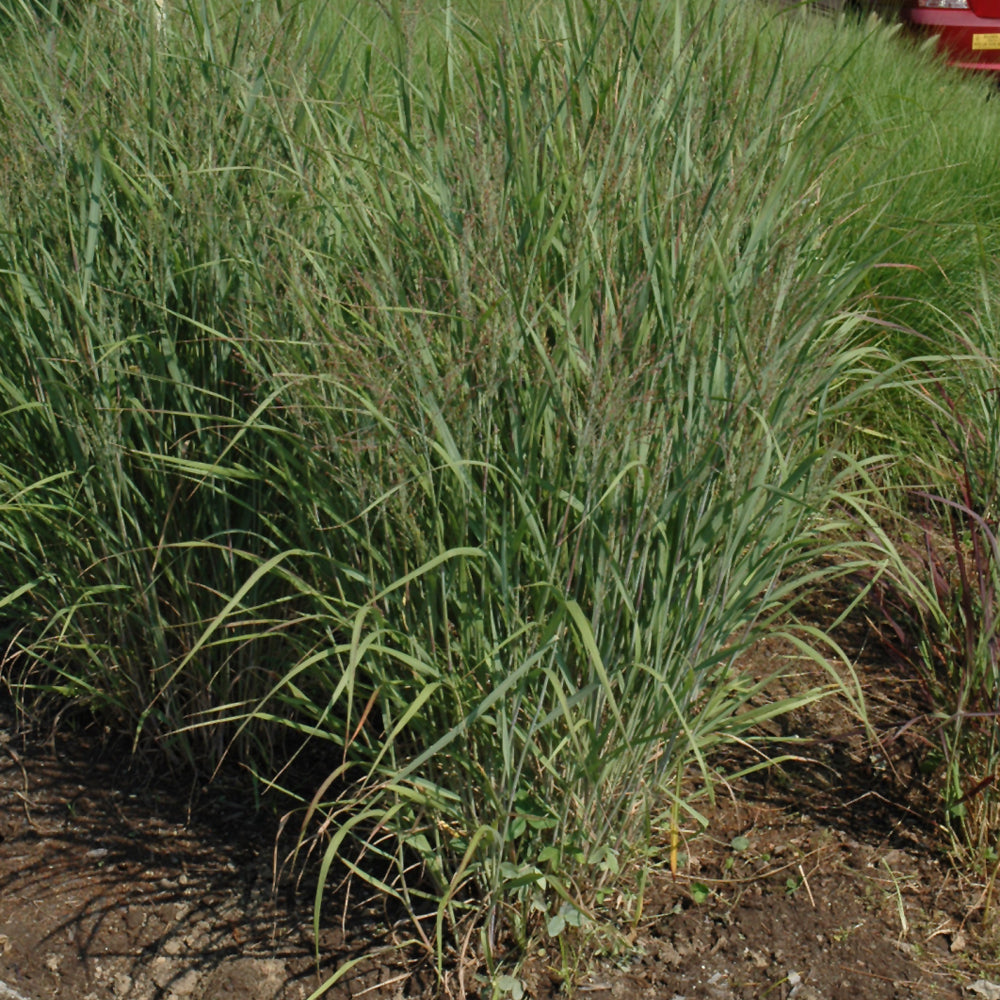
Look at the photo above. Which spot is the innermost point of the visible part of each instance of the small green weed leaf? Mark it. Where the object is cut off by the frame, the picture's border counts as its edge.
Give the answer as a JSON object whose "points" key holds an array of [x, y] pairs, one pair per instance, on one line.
{"points": [[516, 876], [511, 986], [739, 844], [550, 855], [556, 924], [700, 893], [420, 844], [542, 823], [606, 859]]}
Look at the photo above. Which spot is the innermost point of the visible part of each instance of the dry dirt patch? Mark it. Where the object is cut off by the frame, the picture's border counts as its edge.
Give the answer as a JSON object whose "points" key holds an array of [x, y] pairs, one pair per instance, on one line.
{"points": [[112, 888], [815, 882]]}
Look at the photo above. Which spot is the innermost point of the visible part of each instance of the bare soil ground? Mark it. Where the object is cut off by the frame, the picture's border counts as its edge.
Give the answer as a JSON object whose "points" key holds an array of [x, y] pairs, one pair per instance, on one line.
{"points": [[816, 880]]}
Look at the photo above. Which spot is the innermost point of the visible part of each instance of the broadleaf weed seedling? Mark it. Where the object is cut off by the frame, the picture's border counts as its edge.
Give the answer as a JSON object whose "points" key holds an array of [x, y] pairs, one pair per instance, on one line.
{"points": [[738, 845], [508, 986]]}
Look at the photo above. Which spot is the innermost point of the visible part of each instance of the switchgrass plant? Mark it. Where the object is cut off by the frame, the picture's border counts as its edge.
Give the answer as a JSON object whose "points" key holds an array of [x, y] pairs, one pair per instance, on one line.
{"points": [[920, 134], [601, 410], [940, 419], [939, 597], [457, 389], [130, 398]]}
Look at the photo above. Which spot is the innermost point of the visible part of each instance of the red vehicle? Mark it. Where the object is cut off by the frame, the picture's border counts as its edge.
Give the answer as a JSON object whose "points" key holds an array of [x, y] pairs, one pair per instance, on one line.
{"points": [[968, 31]]}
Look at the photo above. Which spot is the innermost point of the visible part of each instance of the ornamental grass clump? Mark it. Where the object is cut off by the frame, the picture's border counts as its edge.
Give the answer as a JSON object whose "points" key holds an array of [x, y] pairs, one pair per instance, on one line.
{"points": [[588, 466], [938, 598], [140, 524]]}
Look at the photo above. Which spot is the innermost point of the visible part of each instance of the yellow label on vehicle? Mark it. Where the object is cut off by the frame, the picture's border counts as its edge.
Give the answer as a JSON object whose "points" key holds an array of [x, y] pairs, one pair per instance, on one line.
{"points": [[982, 42]]}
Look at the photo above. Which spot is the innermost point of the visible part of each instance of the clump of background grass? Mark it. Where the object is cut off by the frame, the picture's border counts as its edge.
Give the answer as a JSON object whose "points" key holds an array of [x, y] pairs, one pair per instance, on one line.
{"points": [[934, 296], [458, 389], [938, 600]]}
